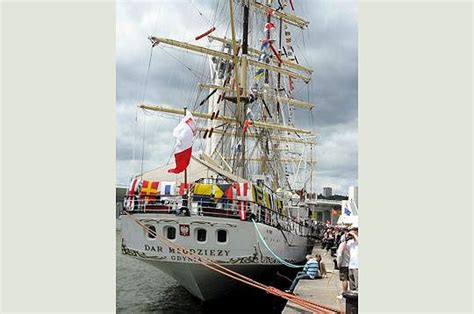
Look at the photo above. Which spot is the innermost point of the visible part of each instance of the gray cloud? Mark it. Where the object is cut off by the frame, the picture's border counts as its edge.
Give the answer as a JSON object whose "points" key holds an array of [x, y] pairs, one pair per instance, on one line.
{"points": [[329, 47]]}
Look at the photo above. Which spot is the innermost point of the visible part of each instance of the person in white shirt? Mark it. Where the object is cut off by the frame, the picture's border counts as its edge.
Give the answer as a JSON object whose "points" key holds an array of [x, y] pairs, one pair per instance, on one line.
{"points": [[352, 243], [343, 259]]}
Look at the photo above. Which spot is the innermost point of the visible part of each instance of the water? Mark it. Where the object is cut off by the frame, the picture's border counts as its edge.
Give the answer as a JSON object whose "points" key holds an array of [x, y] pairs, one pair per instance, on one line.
{"points": [[144, 288]]}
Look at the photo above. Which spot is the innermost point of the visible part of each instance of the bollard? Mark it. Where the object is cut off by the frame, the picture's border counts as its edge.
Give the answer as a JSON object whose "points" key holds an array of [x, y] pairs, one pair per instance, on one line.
{"points": [[352, 301]]}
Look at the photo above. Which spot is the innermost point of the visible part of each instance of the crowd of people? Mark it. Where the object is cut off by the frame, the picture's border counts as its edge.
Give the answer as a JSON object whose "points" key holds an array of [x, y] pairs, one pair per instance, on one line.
{"points": [[347, 260], [342, 243]]}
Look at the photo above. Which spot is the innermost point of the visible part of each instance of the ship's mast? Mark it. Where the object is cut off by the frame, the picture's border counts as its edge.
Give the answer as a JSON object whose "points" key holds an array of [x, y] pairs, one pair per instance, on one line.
{"points": [[282, 179], [245, 34], [238, 109], [265, 152], [260, 149]]}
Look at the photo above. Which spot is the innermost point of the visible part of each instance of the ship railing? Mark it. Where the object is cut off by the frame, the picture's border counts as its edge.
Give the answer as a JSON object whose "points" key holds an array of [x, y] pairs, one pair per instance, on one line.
{"points": [[220, 208]]}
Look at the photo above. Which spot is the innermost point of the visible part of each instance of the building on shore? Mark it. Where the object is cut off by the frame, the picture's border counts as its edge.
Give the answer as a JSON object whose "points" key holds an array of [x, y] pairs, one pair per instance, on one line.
{"points": [[327, 192], [325, 210], [327, 207], [354, 194]]}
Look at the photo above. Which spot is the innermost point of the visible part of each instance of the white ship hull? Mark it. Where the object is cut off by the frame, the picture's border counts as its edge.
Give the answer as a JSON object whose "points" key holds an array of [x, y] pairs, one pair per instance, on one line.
{"points": [[243, 251]]}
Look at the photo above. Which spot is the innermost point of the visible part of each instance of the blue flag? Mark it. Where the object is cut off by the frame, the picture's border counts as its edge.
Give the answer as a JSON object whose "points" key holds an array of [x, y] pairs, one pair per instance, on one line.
{"points": [[347, 211], [265, 45]]}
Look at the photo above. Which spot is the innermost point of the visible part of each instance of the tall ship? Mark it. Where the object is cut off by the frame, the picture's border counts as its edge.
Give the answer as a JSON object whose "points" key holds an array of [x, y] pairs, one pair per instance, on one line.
{"points": [[243, 165]]}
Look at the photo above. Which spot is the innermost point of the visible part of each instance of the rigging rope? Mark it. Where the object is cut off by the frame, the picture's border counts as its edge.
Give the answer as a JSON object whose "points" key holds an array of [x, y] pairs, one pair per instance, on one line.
{"points": [[134, 138], [213, 265], [143, 146], [136, 112], [207, 20], [158, 11], [144, 123], [147, 74], [180, 62]]}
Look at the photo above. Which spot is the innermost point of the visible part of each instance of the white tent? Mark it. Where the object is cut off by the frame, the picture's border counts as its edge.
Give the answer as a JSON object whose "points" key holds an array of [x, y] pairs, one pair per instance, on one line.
{"points": [[348, 220]]}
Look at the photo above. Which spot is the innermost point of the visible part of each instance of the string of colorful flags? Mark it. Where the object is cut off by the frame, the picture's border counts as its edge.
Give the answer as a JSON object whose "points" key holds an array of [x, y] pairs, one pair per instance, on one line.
{"points": [[242, 192], [267, 44], [266, 51]]}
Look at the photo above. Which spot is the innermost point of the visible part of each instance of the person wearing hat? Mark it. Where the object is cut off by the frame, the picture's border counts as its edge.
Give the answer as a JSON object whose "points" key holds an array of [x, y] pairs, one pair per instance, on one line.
{"points": [[352, 243]]}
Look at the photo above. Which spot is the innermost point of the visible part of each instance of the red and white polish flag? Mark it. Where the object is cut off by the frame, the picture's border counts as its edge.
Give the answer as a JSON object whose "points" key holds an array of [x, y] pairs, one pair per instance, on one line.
{"points": [[184, 133], [133, 187], [132, 190]]}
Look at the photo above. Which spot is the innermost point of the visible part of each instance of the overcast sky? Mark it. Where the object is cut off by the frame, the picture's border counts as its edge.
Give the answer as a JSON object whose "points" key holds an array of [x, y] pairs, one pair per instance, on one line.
{"points": [[330, 48]]}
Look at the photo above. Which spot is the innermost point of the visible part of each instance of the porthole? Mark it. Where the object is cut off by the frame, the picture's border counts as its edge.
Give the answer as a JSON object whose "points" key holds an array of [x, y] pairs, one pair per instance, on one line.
{"points": [[151, 232], [170, 232], [201, 235], [221, 236]]}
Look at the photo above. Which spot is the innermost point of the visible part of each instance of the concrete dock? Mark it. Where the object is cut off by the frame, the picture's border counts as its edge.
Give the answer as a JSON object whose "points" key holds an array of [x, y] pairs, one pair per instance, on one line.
{"points": [[322, 291]]}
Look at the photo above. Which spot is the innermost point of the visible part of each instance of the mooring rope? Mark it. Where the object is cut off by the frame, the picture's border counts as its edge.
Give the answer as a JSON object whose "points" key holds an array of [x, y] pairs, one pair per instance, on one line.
{"points": [[213, 265], [282, 261]]}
